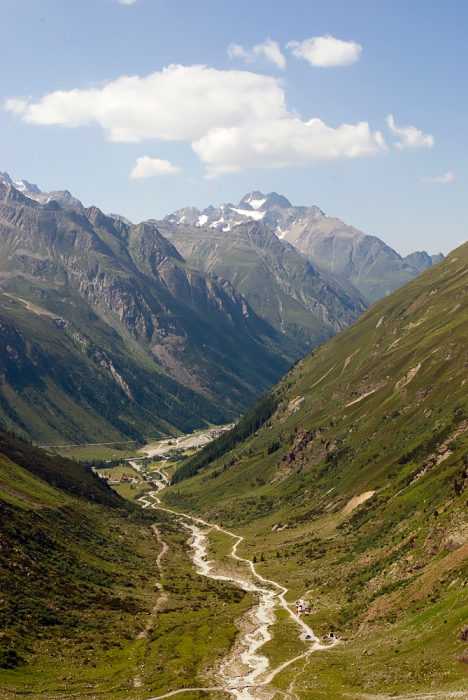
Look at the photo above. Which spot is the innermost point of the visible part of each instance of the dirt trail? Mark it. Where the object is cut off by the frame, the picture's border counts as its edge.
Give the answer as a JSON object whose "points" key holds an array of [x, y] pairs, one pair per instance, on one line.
{"points": [[162, 600]]}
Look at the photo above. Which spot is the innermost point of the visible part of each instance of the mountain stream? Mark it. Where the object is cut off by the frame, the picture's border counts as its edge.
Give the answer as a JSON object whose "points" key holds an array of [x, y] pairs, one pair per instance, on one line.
{"points": [[245, 668]]}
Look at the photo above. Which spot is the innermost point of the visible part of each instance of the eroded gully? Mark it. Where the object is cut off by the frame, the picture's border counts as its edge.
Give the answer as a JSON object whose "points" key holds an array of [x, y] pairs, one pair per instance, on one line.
{"points": [[245, 668]]}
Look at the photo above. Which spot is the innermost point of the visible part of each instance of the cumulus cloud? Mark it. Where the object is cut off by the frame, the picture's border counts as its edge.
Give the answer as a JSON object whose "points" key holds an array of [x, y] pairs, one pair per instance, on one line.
{"points": [[269, 49], [178, 103], [326, 51], [234, 119], [448, 177], [279, 143], [153, 167], [410, 136]]}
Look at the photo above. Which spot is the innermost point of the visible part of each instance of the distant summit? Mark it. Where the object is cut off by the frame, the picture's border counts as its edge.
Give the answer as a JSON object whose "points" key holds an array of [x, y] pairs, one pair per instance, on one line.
{"points": [[257, 200], [367, 262], [254, 206], [421, 260], [63, 197], [22, 185], [122, 219]]}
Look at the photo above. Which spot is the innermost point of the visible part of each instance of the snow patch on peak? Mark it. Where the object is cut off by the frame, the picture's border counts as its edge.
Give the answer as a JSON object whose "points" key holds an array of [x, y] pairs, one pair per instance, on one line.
{"points": [[22, 186], [26, 187], [257, 203], [256, 215], [214, 224], [202, 219]]}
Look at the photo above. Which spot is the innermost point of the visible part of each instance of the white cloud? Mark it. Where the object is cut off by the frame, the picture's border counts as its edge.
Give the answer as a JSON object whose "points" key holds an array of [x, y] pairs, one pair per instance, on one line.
{"points": [[152, 167], [234, 119], [127, 2], [279, 143], [326, 51], [269, 49], [179, 103], [410, 136], [448, 177], [238, 51]]}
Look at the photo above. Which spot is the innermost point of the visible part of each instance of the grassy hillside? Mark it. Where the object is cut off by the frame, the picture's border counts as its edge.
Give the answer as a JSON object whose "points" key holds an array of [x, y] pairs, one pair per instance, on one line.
{"points": [[86, 607], [354, 493]]}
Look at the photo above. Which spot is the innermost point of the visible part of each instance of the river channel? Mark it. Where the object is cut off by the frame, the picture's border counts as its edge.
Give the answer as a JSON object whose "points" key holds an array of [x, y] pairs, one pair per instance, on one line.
{"points": [[245, 669]]}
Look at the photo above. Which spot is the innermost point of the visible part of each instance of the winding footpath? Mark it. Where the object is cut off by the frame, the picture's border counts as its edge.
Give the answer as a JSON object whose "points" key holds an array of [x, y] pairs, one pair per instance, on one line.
{"points": [[244, 669]]}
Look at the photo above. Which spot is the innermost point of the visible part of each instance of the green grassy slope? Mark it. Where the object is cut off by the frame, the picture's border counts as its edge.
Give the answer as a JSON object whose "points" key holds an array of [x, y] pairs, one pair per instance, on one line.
{"points": [[85, 611], [379, 415]]}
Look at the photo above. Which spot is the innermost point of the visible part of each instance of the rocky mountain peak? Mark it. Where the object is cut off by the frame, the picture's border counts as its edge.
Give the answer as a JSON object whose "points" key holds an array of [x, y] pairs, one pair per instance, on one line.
{"points": [[22, 186], [32, 191], [256, 200], [122, 219], [420, 259], [63, 197], [368, 263]]}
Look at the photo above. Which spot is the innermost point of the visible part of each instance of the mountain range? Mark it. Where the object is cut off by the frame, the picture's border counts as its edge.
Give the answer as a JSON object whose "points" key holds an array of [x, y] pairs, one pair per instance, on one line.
{"points": [[126, 312], [346, 483], [368, 263], [306, 304], [121, 304], [202, 311]]}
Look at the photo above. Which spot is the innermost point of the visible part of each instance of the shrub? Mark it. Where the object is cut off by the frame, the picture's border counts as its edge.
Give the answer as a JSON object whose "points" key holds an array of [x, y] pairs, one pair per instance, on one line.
{"points": [[9, 658]]}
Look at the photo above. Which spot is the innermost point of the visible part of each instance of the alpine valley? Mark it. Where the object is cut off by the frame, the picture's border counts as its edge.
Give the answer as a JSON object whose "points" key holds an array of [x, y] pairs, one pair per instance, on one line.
{"points": [[125, 331], [315, 549]]}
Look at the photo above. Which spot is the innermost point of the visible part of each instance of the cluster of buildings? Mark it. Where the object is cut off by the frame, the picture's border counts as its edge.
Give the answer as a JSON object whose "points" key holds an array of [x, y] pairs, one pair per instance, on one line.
{"points": [[302, 607]]}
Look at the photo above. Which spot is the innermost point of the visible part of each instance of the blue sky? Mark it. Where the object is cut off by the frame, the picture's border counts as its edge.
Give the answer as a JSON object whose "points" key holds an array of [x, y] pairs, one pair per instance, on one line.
{"points": [[144, 107]]}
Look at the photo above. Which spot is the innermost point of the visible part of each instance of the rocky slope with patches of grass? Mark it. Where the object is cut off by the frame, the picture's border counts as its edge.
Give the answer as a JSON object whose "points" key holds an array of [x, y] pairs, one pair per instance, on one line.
{"points": [[302, 302], [354, 492]]}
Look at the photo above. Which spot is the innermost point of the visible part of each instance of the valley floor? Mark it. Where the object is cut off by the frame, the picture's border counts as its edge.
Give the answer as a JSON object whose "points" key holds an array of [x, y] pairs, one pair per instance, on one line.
{"points": [[227, 629]]}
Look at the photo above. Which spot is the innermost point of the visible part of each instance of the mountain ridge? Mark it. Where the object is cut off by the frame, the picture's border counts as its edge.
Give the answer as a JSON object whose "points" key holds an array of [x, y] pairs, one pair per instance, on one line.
{"points": [[131, 282], [288, 291], [373, 267]]}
